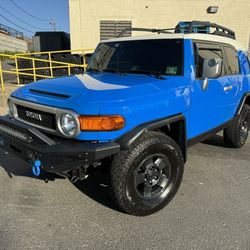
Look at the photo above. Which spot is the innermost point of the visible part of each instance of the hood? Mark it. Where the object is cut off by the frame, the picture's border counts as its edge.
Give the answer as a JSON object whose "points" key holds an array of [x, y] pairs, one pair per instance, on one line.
{"points": [[88, 91]]}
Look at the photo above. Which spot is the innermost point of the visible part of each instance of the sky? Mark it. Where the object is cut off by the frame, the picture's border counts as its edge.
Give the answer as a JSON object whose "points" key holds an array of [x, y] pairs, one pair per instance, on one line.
{"points": [[36, 14]]}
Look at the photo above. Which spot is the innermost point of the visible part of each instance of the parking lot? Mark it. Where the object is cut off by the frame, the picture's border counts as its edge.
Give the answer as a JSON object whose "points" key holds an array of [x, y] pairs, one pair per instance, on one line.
{"points": [[210, 211]]}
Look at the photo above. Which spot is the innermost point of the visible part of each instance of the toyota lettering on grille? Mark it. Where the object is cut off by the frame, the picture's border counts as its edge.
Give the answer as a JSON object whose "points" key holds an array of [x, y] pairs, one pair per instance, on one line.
{"points": [[33, 115]]}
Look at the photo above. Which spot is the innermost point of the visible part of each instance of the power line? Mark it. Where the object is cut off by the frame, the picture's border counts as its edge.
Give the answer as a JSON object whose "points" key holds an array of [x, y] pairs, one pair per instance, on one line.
{"points": [[26, 12], [20, 27], [21, 19]]}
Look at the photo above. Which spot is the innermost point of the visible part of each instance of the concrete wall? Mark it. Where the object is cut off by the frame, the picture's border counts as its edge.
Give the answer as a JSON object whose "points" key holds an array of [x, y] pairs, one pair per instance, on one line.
{"points": [[85, 16], [9, 43]]}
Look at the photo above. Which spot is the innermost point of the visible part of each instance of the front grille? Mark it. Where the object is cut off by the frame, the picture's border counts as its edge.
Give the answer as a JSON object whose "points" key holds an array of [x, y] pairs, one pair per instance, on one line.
{"points": [[43, 119]]}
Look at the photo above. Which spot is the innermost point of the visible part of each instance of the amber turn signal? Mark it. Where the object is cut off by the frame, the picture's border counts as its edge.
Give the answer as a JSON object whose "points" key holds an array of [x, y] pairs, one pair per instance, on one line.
{"points": [[101, 123]]}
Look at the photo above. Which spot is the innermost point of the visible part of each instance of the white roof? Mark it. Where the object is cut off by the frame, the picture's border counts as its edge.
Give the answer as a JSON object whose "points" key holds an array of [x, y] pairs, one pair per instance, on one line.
{"points": [[196, 36]]}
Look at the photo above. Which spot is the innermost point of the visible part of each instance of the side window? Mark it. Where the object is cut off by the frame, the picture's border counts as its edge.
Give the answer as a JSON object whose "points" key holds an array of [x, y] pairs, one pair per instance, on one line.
{"points": [[206, 51], [232, 61]]}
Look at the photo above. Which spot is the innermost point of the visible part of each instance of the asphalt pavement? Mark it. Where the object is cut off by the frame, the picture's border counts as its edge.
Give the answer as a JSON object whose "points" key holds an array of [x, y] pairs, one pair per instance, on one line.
{"points": [[210, 211]]}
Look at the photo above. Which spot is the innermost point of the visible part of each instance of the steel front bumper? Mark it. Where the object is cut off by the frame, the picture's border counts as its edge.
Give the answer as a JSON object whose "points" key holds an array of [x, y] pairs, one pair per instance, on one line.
{"points": [[56, 154]]}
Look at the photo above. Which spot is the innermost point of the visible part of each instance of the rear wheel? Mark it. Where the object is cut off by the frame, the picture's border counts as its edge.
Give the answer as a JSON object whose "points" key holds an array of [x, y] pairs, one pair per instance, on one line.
{"points": [[236, 134], [146, 177]]}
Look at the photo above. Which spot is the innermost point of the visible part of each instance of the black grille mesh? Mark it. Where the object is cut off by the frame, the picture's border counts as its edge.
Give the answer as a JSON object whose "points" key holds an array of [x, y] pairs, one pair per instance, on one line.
{"points": [[48, 120]]}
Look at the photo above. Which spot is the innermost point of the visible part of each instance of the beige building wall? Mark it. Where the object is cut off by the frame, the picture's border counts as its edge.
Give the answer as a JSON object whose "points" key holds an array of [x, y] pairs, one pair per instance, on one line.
{"points": [[9, 43], [85, 16]]}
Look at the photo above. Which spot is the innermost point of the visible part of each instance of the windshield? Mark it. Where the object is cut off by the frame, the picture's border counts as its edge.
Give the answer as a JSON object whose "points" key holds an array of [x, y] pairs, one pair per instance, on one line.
{"points": [[163, 56]]}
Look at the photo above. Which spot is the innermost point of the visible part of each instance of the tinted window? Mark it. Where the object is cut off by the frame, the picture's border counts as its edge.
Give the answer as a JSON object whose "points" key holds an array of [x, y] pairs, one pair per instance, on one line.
{"points": [[163, 56], [232, 61], [206, 51]]}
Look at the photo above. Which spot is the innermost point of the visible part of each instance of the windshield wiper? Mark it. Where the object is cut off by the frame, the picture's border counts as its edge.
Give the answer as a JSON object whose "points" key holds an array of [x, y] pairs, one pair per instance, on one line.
{"points": [[113, 71], [156, 74], [93, 70], [106, 70]]}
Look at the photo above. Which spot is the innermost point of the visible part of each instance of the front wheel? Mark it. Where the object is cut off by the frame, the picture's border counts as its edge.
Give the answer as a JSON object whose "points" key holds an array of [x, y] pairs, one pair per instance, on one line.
{"points": [[147, 176]]}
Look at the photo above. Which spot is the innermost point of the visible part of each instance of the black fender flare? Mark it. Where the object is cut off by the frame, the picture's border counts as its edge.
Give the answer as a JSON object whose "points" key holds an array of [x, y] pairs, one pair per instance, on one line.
{"points": [[242, 102], [126, 140]]}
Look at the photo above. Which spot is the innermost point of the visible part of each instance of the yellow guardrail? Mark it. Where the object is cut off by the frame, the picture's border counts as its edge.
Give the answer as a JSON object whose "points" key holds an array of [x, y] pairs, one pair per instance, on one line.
{"points": [[34, 59]]}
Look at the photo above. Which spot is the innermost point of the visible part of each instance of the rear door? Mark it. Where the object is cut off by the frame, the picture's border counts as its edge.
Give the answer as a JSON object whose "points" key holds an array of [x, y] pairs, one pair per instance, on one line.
{"points": [[212, 106]]}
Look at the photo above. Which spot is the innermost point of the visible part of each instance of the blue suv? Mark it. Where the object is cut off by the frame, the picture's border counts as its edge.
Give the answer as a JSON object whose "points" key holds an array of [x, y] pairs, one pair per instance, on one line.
{"points": [[141, 103]]}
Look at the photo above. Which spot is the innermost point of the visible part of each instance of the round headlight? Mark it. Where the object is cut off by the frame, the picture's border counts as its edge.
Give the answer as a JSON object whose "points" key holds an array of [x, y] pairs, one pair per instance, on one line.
{"points": [[69, 124], [10, 109]]}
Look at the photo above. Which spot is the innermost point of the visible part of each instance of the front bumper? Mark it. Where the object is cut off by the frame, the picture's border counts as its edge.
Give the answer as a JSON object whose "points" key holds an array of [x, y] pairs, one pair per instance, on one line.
{"points": [[57, 155]]}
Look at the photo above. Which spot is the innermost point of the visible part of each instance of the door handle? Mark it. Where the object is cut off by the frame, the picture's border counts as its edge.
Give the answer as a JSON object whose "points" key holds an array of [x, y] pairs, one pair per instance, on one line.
{"points": [[228, 88]]}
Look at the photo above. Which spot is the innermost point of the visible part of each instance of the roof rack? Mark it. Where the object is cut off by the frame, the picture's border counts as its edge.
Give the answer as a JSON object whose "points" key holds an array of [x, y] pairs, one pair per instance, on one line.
{"points": [[188, 27], [204, 27]]}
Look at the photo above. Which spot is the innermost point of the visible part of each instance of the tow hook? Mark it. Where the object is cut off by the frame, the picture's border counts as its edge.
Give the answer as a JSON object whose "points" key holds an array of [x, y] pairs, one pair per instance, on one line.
{"points": [[79, 174], [36, 167]]}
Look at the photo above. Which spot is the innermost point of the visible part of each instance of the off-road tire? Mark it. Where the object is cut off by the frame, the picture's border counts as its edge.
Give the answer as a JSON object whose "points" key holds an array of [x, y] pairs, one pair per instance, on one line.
{"points": [[236, 134], [124, 172]]}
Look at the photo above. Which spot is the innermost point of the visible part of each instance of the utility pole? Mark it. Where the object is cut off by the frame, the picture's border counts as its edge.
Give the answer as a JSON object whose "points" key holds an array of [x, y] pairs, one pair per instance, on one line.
{"points": [[52, 22]]}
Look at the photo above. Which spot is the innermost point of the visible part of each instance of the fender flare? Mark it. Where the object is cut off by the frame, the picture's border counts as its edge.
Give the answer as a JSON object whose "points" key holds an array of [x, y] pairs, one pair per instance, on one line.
{"points": [[242, 102], [129, 138]]}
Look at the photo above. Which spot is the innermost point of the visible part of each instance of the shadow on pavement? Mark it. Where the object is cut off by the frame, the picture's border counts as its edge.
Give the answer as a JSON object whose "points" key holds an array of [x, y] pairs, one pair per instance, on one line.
{"points": [[95, 186], [216, 140]]}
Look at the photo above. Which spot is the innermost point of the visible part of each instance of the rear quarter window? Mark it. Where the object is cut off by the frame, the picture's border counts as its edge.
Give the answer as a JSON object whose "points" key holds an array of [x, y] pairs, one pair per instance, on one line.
{"points": [[233, 66]]}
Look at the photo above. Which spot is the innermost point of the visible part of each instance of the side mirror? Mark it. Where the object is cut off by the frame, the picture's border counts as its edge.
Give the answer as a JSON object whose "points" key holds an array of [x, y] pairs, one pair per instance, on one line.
{"points": [[212, 68]]}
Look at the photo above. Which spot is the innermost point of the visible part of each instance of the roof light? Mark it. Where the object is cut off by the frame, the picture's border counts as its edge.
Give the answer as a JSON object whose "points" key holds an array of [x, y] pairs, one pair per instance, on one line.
{"points": [[212, 9]]}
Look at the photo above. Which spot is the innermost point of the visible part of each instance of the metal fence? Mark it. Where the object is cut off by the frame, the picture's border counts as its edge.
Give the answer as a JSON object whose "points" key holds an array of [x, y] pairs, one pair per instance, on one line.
{"points": [[37, 68], [11, 32]]}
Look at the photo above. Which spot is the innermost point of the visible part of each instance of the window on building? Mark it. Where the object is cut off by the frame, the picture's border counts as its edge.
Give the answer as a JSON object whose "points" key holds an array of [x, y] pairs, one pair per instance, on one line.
{"points": [[111, 29], [232, 61], [206, 51]]}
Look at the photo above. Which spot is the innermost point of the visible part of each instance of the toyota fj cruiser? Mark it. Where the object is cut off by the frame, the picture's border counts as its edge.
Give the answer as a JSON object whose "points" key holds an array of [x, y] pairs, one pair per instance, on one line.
{"points": [[142, 101]]}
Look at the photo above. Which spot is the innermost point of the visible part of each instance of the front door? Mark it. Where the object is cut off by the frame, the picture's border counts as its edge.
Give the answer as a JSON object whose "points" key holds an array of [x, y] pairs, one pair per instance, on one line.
{"points": [[211, 106]]}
